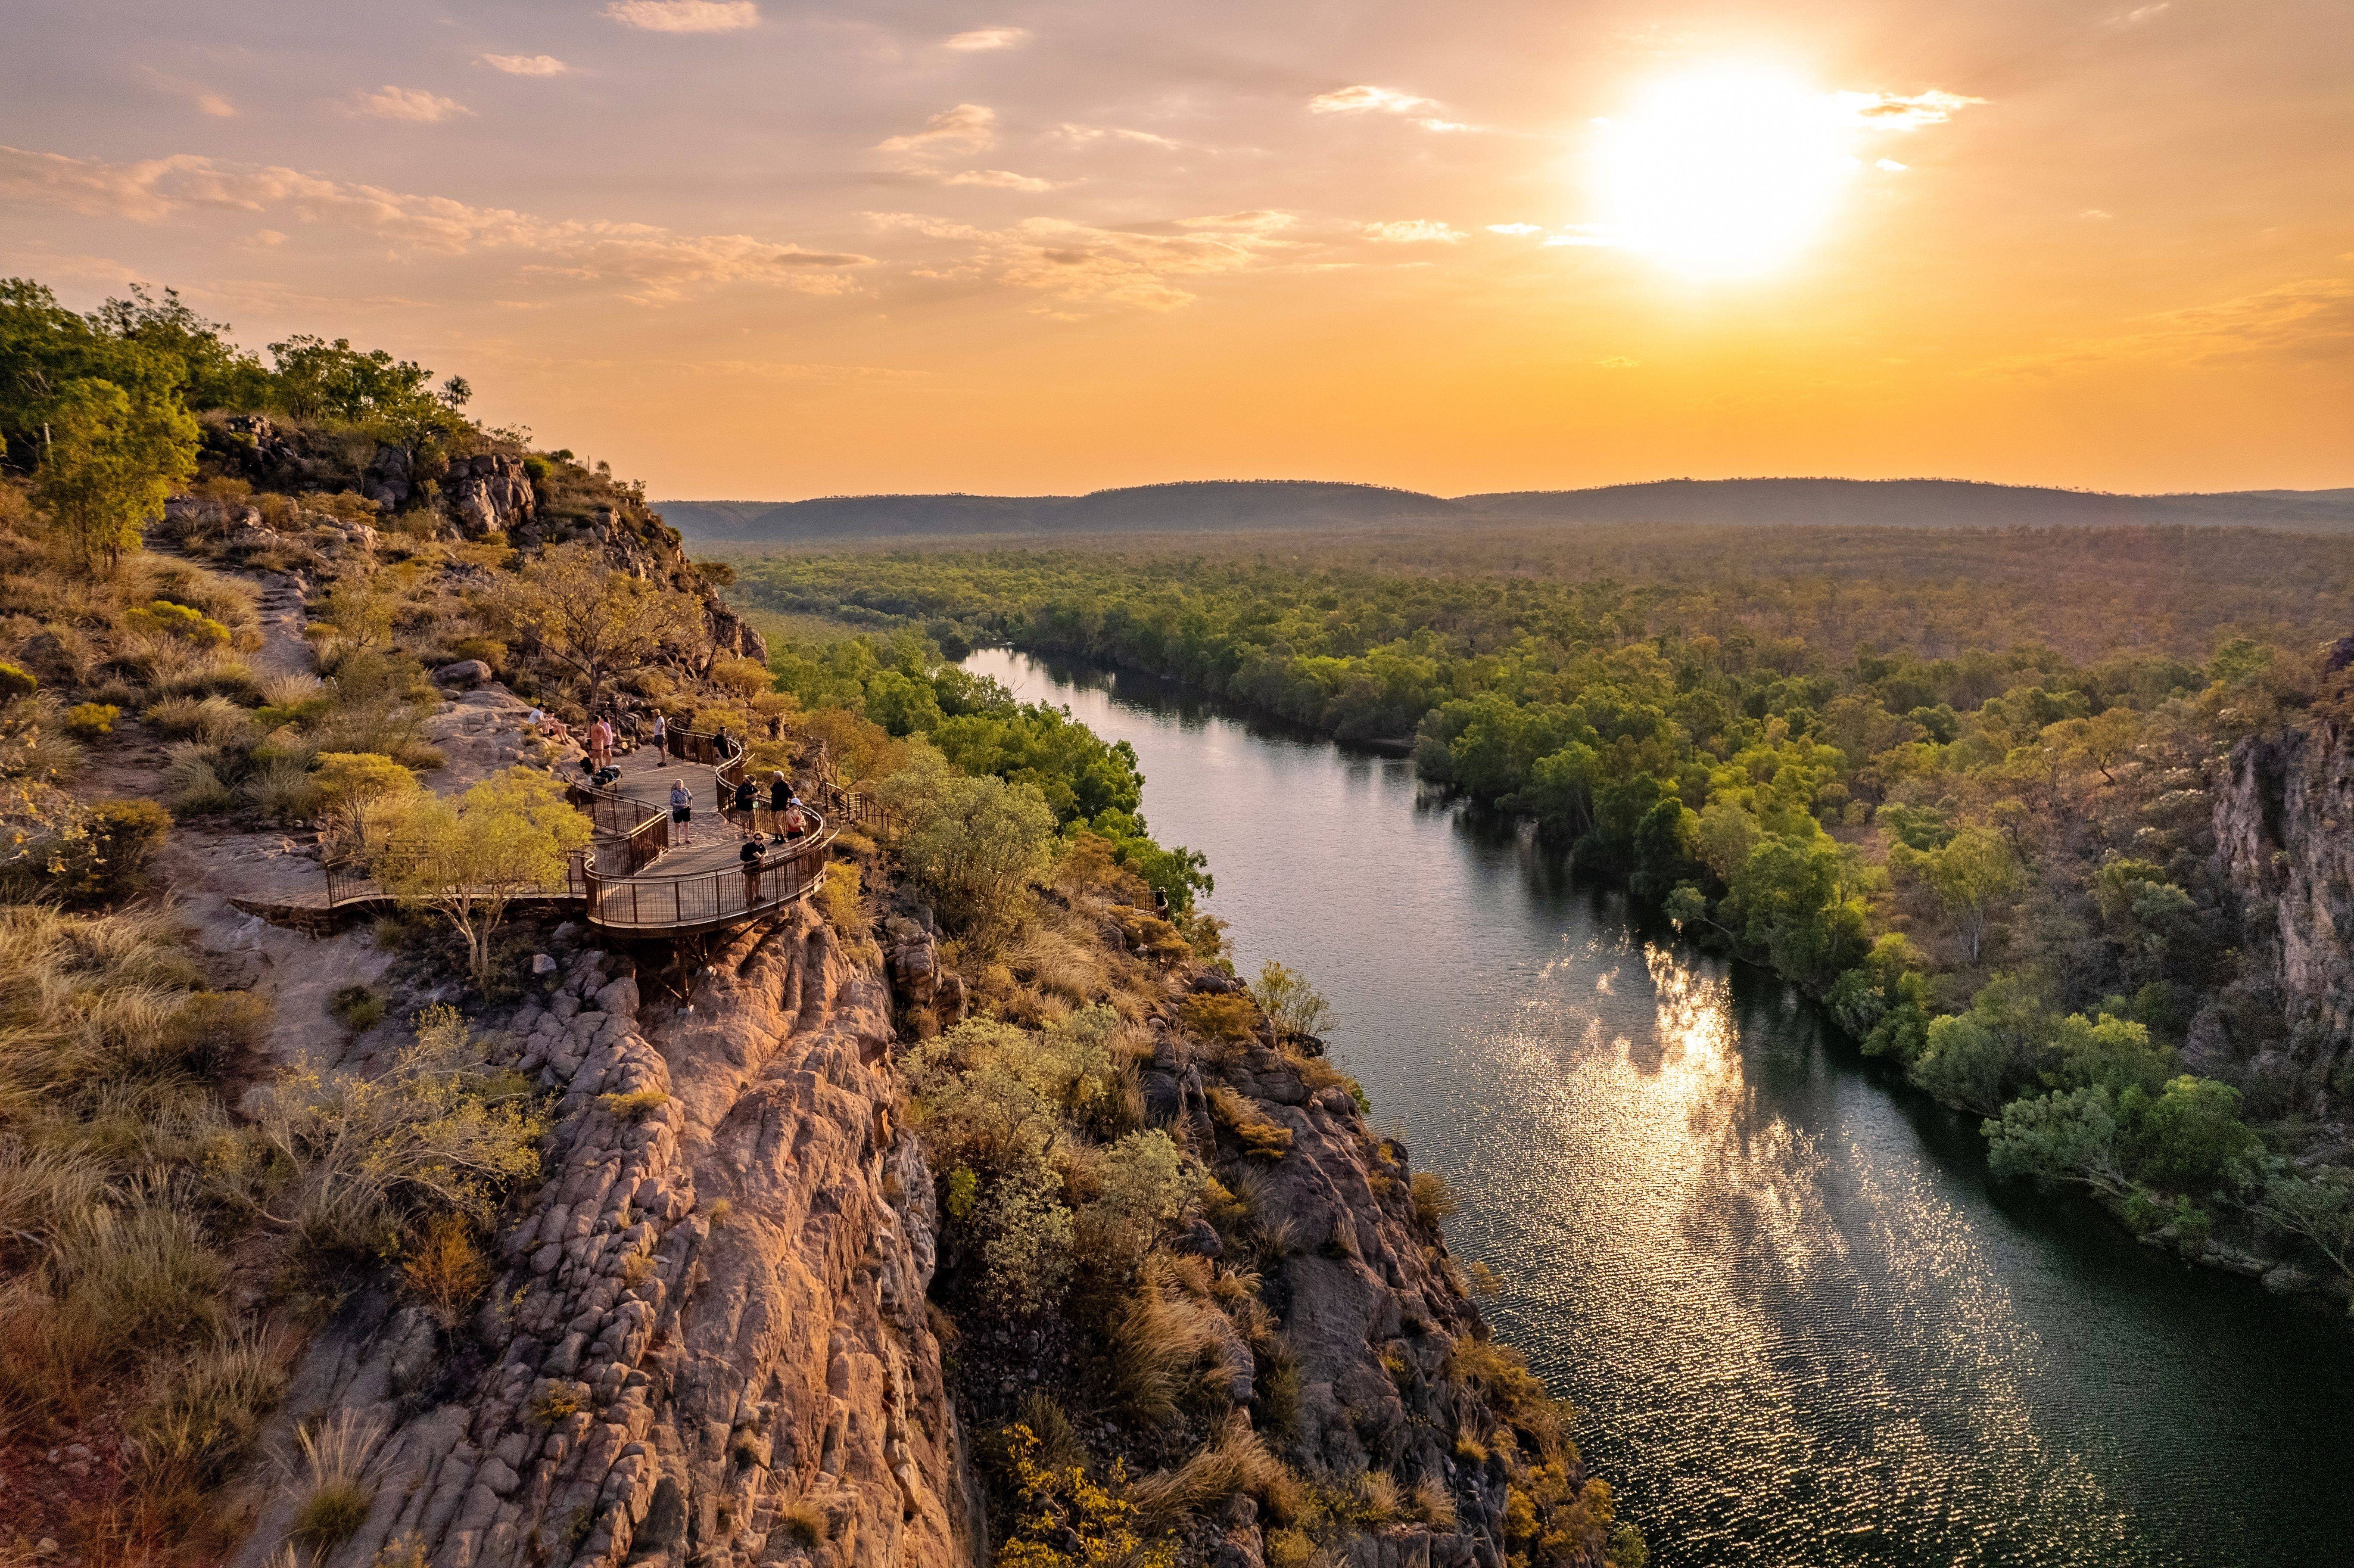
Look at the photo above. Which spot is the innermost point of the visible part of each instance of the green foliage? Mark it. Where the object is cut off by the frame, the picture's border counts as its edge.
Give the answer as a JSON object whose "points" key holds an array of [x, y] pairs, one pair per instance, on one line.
{"points": [[511, 834], [1063, 1519], [1296, 1009], [161, 617], [357, 1008], [972, 846], [107, 465], [92, 721]]}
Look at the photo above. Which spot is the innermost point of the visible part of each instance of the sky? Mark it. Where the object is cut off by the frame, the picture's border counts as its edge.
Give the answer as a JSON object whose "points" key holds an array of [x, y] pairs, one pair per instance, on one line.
{"points": [[752, 249]]}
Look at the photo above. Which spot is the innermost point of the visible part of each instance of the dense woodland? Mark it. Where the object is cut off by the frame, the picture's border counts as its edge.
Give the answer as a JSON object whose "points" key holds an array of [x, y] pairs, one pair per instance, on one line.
{"points": [[1955, 786]]}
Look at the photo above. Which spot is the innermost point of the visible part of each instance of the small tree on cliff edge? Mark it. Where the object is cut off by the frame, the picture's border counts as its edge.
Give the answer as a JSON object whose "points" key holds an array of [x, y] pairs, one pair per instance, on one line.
{"points": [[582, 613], [107, 465], [509, 835]]}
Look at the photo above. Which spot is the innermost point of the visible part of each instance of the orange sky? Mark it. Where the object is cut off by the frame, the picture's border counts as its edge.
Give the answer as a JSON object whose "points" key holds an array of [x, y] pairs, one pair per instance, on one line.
{"points": [[745, 249]]}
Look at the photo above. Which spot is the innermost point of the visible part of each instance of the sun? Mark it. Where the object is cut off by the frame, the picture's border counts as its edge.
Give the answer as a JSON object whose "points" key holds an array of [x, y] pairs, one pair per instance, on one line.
{"points": [[1728, 172]]}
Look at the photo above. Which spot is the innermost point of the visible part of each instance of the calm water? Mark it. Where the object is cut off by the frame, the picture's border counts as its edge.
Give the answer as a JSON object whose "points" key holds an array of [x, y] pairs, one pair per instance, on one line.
{"points": [[1801, 1327]]}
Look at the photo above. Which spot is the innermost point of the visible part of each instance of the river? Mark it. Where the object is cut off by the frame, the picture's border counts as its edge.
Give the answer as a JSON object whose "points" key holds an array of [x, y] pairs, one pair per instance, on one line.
{"points": [[1800, 1324]]}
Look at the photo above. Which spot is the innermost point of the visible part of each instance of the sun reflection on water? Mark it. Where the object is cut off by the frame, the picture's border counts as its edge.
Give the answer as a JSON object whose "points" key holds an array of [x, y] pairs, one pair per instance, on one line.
{"points": [[1849, 1336]]}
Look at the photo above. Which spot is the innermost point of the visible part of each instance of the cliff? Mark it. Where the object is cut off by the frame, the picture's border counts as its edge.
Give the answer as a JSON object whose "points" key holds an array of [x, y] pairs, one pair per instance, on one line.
{"points": [[710, 1342], [2285, 838]]}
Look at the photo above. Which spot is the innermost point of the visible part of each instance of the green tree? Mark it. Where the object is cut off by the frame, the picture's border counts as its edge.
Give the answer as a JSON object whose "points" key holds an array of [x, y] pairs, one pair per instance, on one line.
{"points": [[509, 835], [972, 846], [1973, 875], [2060, 1138], [2189, 1138], [1296, 1008], [107, 467]]}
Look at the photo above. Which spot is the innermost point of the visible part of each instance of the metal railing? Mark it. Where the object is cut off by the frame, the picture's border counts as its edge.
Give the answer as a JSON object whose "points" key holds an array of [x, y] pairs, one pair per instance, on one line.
{"points": [[717, 897], [642, 827]]}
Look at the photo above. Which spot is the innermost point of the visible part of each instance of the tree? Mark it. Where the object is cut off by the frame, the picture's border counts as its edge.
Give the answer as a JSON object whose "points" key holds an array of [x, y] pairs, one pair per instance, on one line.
{"points": [[972, 846], [1972, 875], [109, 465], [2316, 1206], [511, 834], [364, 792], [2069, 1136], [584, 614], [1296, 1008]]}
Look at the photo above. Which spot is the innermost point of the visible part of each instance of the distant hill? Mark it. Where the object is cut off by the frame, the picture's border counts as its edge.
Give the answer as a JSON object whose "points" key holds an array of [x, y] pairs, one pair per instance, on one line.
{"points": [[1271, 505]]}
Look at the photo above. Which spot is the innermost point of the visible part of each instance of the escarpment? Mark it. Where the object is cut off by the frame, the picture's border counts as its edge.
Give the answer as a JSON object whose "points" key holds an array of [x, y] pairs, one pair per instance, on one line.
{"points": [[2284, 832], [709, 1342]]}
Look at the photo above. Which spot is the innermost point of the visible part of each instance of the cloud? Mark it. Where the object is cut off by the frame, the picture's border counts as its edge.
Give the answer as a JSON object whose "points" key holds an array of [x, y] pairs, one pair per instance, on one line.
{"points": [[999, 179], [1617, 361], [2138, 14], [2096, 214], [524, 65], [214, 104], [1890, 166], [1414, 231], [982, 39], [1080, 268], [643, 261], [207, 102], [966, 128], [685, 15], [1516, 228], [410, 103], [1895, 111], [1083, 135], [2309, 321], [1368, 100]]}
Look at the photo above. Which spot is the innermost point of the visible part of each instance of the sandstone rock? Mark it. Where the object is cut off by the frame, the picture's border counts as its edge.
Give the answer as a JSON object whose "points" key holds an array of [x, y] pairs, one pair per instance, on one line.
{"points": [[468, 672]]}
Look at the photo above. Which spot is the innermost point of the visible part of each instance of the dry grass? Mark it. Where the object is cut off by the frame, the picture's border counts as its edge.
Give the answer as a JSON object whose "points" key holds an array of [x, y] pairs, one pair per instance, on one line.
{"points": [[447, 1270], [1159, 1342], [1434, 1199], [1237, 1463], [1261, 1138], [338, 1468]]}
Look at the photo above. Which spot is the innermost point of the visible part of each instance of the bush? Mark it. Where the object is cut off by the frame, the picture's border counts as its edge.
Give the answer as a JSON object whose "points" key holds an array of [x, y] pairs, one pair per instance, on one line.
{"points": [[15, 683], [193, 784], [105, 860], [357, 1008], [213, 721], [1434, 1199], [163, 619], [447, 1270], [92, 721], [339, 1455], [635, 1103]]}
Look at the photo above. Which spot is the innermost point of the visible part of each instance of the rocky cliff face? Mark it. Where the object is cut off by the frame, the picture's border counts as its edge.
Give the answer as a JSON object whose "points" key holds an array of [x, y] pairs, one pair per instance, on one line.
{"points": [[2284, 831], [710, 1343]]}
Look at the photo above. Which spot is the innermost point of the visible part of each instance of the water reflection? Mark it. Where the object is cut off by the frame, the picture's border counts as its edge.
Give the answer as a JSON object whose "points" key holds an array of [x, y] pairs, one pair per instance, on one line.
{"points": [[1801, 1325]]}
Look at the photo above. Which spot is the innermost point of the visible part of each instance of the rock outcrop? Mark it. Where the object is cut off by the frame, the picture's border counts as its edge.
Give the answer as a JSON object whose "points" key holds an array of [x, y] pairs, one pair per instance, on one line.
{"points": [[489, 494], [710, 1342], [2284, 837]]}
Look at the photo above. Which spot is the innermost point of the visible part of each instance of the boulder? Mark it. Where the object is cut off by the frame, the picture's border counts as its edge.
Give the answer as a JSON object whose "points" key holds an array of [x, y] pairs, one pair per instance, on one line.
{"points": [[466, 672]]}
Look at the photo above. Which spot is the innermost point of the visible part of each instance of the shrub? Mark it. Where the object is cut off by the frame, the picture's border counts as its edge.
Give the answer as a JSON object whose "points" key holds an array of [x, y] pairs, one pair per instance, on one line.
{"points": [[214, 1028], [205, 1418], [804, 1522], [557, 1403], [214, 721], [92, 721], [1296, 1009], [15, 681], [1434, 1199], [838, 900], [163, 619], [633, 1104], [282, 790], [193, 784], [447, 1270], [1261, 1138], [105, 859], [1231, 1019], [358, 1007]]}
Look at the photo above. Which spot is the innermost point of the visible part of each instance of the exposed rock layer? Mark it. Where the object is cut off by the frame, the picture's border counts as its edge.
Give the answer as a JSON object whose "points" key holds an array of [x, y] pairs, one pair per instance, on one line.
{"points": [[710, 1342]]}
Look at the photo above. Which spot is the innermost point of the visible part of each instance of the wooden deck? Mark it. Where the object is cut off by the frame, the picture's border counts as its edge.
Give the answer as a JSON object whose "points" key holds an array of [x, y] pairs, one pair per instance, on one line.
{"points": [[649, 876]]}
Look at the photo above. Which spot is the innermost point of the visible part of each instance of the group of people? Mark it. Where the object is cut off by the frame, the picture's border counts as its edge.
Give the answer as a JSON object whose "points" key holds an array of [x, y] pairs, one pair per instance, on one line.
{"points": [[597, 742]]}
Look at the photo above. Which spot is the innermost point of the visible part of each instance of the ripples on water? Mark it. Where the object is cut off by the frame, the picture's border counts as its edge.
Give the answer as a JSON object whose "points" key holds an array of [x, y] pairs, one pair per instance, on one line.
{"points": [[1801, 1327]]}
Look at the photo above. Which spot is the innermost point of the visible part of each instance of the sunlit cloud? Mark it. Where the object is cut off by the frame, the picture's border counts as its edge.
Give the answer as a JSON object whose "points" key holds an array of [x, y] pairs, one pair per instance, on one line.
{"points": [[998, 179], [966, 128], [1617, 361], [643, 261], [1414, 231], [1516, 228], [207, 103], [2309, 321], [1082, 268], [1368, 101], [524, 65], [1892, 111], [214, 104], [984, 38], [2140, 13], [1890, 166], [685, 15], [410, 103], [1084, 135]]}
